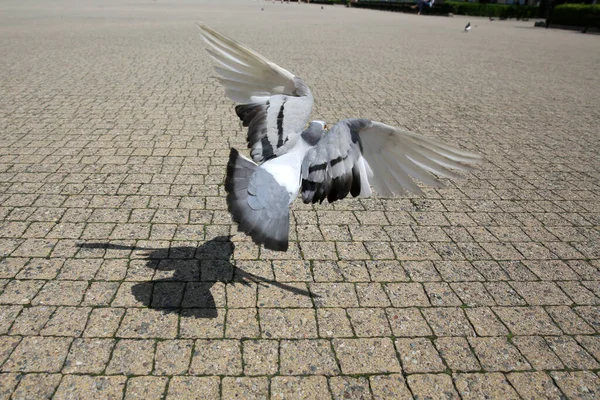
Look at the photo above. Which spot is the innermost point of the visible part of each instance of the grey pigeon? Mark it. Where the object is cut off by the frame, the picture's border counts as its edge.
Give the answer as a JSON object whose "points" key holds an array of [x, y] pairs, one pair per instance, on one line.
{"points": [[289, 158]]}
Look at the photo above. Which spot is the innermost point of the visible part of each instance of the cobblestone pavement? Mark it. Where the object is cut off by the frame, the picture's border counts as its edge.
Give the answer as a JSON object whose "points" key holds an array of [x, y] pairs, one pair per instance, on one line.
{"points": [[117, 277]]}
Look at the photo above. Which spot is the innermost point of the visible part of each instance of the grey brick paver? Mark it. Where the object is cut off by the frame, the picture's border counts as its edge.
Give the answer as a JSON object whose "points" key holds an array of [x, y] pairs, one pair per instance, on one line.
{"points": [[122, 274]]}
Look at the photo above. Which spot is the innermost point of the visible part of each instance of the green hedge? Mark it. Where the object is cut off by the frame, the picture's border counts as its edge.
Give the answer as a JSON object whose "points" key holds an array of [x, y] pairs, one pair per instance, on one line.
{"points": [[576, 15], [493, 10]]}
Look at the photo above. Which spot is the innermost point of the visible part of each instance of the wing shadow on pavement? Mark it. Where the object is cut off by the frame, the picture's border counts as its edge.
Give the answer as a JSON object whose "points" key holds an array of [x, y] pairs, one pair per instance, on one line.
{"points": [[185, 275]]}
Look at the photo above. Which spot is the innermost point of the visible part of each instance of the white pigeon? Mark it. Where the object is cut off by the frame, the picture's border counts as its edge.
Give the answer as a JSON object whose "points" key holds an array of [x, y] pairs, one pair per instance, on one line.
{"points": [[468, 27], [288, 158]]}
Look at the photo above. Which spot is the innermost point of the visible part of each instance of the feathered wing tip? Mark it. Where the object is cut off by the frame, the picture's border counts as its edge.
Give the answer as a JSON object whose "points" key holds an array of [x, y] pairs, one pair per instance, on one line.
{"points": [[271, 229], [244, 73], [397, 157]]}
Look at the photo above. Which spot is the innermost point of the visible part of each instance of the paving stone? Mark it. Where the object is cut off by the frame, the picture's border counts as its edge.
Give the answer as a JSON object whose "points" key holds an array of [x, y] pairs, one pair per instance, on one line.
{"points": [[503, 294], [245, 387], [334, 294], [172, 357], [354, 271], [537, 352], [299, 387], [485, 322], [61, 293], [591, 314], [131, 357], [458, 271], [100, 293], [591, 344], [112, 270], [391, 386], [307, 357], [202, 323], [260, 357], [570, 353], [407, 322], [457, 354], [41, 268], [345, 387], [333, 322], [371, 295], [407, 294], [369, 322], [8, 382], [440, 294], [36, 386], [527, 320], [477, 386], [419, 355], [473, 294], [497, 354], [216, 357], [32, 320], [242, 323], [7, 345], [67, 321], [318, 251], [432, 386], [80, 269], [366, 356], [183, 387], [292, 271], [541, 293], [148, 323], [421, 271], [13, 267], [291, 323], [20, 292], [414, 251], [532, 385], [212, 294], [88, 356], [35, 248], [386, 271], [448, 322], [38, 354], [103, 322], [569, 322], [577, 384], [275, 297], [579, 293], [145, 387]]}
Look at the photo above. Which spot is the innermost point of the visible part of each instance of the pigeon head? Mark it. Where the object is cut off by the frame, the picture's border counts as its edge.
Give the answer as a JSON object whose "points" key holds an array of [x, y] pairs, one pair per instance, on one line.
{"points": [[314, 132]]}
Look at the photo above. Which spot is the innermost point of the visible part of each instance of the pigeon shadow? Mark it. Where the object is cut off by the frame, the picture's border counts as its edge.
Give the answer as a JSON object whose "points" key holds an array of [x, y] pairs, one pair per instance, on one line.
{"points": [[184, 276]]}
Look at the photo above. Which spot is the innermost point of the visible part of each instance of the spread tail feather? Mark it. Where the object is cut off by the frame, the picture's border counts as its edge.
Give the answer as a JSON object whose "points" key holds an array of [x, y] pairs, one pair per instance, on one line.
{"points": [[266, 223]]}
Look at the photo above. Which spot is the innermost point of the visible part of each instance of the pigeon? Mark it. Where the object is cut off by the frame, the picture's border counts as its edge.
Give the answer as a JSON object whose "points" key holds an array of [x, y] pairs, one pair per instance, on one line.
{"points": [[468, 27], [287, 157]]}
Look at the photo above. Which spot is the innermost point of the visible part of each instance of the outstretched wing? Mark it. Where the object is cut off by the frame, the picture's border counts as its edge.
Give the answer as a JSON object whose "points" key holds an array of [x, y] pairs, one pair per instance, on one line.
{"points": [[275, 105], [356, 153]]}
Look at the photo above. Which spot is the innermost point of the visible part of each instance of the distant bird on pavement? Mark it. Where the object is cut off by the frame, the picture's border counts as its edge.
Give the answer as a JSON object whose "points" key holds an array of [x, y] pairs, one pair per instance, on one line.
{"points": [[288, 158], [468, 27], [492, 19]]}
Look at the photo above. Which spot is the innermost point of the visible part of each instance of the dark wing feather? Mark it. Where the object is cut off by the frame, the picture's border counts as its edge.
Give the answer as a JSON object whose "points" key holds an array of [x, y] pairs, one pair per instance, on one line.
{"points": [[332, 168]]}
